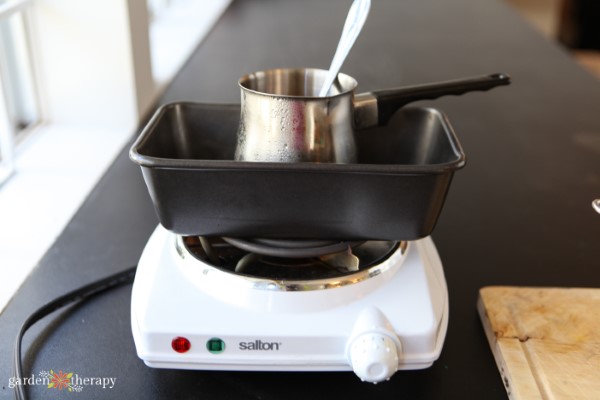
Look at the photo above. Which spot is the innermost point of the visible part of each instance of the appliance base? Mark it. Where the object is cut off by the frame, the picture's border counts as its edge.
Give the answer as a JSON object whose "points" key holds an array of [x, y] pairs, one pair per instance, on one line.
{"points": [[394, 320]]}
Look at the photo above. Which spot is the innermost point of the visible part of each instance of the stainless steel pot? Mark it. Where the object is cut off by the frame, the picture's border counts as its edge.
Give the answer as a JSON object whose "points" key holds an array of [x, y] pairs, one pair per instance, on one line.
{"points": [[283, 119]]}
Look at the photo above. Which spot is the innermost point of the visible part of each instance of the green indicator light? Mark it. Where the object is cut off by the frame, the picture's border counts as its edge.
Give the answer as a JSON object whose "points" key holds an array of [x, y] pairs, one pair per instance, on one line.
{"points": [[215, 345]]}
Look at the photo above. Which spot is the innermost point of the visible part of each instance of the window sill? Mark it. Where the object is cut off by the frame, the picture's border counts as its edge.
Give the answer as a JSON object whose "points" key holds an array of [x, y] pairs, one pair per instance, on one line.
{"points": [[58, 166]]}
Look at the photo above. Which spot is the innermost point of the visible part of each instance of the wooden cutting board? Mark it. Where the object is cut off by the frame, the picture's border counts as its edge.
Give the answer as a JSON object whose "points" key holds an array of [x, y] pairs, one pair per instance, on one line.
{"points": [[546, 341]]}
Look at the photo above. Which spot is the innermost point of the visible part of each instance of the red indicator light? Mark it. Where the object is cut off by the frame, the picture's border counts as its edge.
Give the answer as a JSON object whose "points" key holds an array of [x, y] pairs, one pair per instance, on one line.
{"points": [[181, 344]]}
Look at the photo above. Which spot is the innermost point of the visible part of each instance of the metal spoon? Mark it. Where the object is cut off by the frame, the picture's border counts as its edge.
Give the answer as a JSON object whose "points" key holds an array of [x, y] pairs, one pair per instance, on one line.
{"points": [[357, 15]]}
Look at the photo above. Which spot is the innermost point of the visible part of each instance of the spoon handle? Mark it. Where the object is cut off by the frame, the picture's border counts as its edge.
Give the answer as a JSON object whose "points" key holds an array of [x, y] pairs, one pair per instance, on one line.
{"points": [[355, 20]]}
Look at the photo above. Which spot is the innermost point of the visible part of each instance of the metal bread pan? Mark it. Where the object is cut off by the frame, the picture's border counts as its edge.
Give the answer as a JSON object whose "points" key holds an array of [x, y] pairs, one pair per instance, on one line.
{"points": [[395, 191]]}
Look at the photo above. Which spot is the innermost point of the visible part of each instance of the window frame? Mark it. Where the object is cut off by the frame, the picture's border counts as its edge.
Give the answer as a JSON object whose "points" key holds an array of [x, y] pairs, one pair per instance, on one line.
{"points": [[8, 134]]}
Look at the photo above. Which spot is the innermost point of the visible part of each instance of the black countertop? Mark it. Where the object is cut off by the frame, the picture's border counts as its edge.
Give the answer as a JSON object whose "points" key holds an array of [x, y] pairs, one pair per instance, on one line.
{"points": [[519, 213]]}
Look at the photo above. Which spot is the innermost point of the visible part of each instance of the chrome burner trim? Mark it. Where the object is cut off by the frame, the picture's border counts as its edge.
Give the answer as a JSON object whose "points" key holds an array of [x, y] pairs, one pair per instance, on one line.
{"points": [[394, 260]]}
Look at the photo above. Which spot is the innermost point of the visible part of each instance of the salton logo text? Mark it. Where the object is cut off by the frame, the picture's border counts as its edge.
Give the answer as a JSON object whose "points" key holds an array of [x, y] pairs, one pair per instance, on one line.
{"points": [[260, 345]]}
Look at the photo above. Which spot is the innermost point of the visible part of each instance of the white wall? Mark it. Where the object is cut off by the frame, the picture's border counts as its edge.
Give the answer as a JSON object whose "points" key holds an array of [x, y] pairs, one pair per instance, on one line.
{"points": [[87, 61]]}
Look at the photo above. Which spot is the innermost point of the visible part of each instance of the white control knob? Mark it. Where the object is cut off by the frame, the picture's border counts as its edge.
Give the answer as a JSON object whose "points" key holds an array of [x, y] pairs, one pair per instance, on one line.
{"points": [[374, 357]]}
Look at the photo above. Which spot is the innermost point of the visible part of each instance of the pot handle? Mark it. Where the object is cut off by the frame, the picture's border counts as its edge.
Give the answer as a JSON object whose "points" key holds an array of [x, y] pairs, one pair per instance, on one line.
{"points": [[389, 101]]}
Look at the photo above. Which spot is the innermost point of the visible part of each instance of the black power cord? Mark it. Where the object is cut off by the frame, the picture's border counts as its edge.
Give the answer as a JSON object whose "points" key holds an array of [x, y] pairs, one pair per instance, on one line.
{"points": [[84, 292]]}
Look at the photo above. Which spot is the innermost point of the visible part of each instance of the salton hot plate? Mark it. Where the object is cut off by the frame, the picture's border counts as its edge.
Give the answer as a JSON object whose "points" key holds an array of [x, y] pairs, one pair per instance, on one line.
{"points": [[375, 308]]}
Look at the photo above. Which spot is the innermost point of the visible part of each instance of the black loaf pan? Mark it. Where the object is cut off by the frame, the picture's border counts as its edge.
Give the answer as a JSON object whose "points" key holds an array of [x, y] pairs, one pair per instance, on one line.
{"points": [[395, 191]]}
